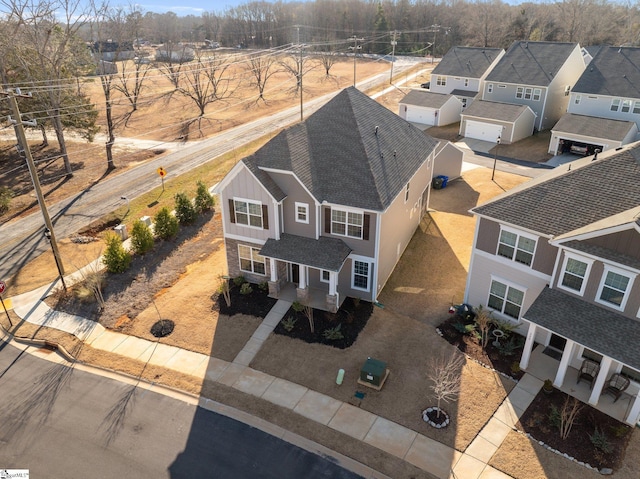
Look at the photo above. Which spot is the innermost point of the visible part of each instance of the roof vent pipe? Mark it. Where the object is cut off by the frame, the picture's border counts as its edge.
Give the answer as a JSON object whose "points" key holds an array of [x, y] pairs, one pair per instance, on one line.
{"points": [[376, 133]]}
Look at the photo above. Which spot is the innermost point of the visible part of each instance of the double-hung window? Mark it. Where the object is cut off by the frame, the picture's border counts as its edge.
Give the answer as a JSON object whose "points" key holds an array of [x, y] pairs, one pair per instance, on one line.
{"points": [[636, 107], [361, 275], [346, 223], [537, 93], [615, 104], [248, 213], [519, 92], [527, 93], [626, 106], [466, 82], [578, 99], [490, 88], [441, 81], [516, 247], [505, 298], [302, 212], [250, 260], [614, 287], [575, 272]]}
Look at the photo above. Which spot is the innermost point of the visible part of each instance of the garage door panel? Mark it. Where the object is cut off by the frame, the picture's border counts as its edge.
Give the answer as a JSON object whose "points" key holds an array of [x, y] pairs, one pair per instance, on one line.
{"points": [[421, 115], [482, 131]]}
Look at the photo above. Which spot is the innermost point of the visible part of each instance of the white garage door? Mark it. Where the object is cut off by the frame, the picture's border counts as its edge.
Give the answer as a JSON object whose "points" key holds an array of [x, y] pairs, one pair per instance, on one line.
{"points": [[425, 116], [482, 131]]}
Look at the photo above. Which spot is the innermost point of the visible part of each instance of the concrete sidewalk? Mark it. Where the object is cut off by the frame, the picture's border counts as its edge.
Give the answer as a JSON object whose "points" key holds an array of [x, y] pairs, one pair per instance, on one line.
{"points": [[421, 451]]}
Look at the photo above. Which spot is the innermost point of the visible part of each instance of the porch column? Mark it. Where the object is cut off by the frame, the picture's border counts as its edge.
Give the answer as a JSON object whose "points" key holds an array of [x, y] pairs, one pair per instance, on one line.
{"points": [[303, 277], [564, 363], [528, 346], [333, 283], [632, 417], [273, 269], [598, 384]]}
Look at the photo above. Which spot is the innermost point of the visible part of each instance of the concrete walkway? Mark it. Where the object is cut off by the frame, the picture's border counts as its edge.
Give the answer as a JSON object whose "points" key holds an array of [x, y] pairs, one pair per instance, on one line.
{"points": [[419, 450]]}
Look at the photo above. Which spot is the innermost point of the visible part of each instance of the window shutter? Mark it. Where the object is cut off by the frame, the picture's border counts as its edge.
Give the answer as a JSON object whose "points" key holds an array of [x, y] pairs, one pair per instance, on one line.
{"points": [[365, 227], [327, 220], [232, 211], [265, 217]]}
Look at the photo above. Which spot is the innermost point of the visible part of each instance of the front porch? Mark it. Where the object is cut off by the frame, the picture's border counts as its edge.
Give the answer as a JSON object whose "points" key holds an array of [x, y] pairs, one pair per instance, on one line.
{"points": [[316, 298], [543, 366]]}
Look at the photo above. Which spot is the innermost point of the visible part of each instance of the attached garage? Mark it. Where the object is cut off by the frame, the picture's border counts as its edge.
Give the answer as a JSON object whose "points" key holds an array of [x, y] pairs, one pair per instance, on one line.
{"points": [[582, 135], [430, 109], [488, 121]]}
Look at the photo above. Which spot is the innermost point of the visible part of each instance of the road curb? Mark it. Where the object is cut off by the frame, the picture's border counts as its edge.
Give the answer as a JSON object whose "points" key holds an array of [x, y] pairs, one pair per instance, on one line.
{"points": [[45, 343]]}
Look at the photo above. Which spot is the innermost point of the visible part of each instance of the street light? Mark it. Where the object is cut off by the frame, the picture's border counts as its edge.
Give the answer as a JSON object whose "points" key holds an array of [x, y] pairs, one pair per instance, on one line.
{"points": [[495, 158], [49, 236]]}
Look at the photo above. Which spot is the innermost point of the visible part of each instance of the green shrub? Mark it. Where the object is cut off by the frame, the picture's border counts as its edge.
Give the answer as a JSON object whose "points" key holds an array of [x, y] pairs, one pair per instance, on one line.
{"points": [[116, 259], [185, 211], [554, 417], [204, 201], [600, 441], [5, 199], [463, 328], [297, 306], [515, 367], [246, 288], [264, 286], [333, 334], [509, 348], [166, 225], [239, 280], [141, 238], [288, 323]]}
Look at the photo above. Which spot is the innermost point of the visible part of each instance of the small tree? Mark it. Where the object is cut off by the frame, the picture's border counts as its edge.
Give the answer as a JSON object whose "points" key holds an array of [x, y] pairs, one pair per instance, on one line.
{"points": [[91, 286], [444, 372], [204, 199], [483, 321], [185, 211], [298, 307], [225, 288], [5, 199], [566, 416], [141, 238], [116, 259], [166, 225]]}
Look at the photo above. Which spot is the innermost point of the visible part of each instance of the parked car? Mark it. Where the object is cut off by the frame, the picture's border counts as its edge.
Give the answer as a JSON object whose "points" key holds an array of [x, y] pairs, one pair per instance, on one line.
{"points": [[426, 85]]}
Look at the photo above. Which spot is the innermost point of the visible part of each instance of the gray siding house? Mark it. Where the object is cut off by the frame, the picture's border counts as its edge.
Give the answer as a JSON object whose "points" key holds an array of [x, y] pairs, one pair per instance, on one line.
{"points": [[560, 257], [430, 109], [326, 208], [606, 94], [539, 75]]}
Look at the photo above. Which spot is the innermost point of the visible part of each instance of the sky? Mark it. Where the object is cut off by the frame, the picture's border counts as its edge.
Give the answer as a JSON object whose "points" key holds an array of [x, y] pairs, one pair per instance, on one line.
{"points": [[189, 7]]}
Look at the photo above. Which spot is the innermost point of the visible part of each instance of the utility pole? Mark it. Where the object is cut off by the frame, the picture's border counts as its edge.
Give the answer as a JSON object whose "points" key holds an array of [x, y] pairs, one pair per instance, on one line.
{"points": [[24, 146], [435, 29], [355, 49], [393, 54], [300, 73]]}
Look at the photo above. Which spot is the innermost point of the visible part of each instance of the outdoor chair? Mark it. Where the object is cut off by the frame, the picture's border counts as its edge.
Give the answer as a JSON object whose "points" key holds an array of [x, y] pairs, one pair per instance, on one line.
{"points": [[588, 371], [616, 385]]}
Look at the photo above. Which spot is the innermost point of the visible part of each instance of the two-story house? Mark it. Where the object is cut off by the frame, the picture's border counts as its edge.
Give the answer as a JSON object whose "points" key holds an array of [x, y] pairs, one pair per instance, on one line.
{"points": [[326, 208], [538, 75], [560, 256], [604, 105], [462, 71]]}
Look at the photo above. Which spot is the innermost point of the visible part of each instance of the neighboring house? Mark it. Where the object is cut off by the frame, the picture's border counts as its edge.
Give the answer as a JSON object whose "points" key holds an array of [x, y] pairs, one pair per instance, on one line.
{"points": [[326, 208], [430, 109], [609, 88], [490, 121], [462, 71], [539, 75], [560, 256], [448, 161]]}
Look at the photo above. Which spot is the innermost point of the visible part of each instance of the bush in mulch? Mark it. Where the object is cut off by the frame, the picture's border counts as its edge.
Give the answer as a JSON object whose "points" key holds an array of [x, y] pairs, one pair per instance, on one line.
{"points": [[255, 302], [339, 330], [504, 359]]}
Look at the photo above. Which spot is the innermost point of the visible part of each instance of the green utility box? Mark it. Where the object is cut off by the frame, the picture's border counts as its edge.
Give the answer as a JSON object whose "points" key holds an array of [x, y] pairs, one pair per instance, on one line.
{"points": [[373, 372]]}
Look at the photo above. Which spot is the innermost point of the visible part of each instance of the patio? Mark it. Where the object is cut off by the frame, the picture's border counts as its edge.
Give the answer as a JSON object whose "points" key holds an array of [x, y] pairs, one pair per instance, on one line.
{"points": [[317, 298], [543, 366]]}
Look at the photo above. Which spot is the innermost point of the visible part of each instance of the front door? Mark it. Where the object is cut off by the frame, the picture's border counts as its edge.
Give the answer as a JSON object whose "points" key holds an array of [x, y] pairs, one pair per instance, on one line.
{"points": [[557, 342], [294, 273]]}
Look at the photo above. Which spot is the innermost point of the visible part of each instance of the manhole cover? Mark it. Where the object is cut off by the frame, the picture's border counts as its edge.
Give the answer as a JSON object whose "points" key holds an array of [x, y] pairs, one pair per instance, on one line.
{"points": [[162, 328]]}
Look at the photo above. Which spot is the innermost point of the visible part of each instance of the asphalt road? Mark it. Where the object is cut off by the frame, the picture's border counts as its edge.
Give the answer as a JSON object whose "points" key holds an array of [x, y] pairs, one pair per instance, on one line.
{"points": [[60, 422], [23, 239]]}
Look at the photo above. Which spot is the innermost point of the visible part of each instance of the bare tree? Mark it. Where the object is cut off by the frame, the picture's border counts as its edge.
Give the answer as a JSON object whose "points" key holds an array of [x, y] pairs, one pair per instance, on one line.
{"points": [[297, 65], [444, 372], [483, 322], [328, 59], [567, 415], [262, 67]]}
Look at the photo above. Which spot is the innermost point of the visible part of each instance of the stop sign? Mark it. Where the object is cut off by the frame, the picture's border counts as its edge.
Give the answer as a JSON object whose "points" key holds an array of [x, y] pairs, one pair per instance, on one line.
{"points": [[3, 286]]}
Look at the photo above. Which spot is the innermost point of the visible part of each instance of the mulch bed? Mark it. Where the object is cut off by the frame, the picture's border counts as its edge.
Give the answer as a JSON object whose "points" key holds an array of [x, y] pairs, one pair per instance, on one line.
{"points": [[490, 356], [536, 421], [256, 303], [352, 317]]}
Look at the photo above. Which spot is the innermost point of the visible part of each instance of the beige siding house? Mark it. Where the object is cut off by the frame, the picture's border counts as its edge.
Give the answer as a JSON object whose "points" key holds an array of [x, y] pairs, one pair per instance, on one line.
{"points": [[326, 208]]}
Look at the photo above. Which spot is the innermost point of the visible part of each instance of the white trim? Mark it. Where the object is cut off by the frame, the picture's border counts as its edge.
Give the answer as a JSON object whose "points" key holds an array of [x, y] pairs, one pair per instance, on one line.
{"points": [[362, 259], [509, 284], [517, 267], [299, 204], [474, 251], [245, 238], [518, 234], [613, 264], [240, 258], [247, 201], [589, 262], [348, 211], [623, 272], [322, 280], [624, 226], [291, 173], [233, 173]]}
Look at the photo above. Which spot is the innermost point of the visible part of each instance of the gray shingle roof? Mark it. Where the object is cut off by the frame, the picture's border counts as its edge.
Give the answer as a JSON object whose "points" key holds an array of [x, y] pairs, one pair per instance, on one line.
{"points": [[324, 253], [467, 62], [594, 127], [531, 63], [425, 98], [266, 181], [605, 253], [614, 71], [467, 93], [564, 200], [493, 110], [598, 329], [340, 159]]}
